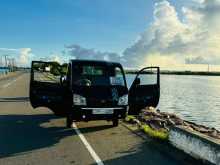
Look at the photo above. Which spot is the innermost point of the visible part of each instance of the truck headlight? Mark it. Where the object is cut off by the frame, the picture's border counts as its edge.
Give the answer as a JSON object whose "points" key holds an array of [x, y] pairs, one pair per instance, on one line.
{"points": [[79, 100], [123, 100]]}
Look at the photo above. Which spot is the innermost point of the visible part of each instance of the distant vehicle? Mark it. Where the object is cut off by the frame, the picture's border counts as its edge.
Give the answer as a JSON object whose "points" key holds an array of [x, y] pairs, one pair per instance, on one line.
{"points": [[47, 69], [93, 90]]}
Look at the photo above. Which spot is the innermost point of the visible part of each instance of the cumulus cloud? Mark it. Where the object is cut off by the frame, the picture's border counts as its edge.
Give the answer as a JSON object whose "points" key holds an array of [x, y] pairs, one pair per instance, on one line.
{"points": [[25, 54], [170, 39], [55, 57], [21, 55], [78, 52], [174, 37]]}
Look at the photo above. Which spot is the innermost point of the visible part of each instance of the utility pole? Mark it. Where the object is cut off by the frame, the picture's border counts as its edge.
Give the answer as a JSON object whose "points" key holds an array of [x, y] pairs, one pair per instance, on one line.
{"points": [[13, 64], [1, 62], [6, 59]]}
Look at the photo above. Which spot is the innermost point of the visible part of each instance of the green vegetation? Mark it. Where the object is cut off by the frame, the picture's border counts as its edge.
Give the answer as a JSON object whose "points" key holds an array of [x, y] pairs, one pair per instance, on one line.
{"points": [[160, 134], [55, 68], [129, 118], [63, 69], [178, 73], [156, 134], [136, 71]]}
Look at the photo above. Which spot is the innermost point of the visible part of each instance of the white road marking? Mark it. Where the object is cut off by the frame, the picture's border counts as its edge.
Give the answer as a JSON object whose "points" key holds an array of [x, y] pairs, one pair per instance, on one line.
{"points": [[88, 146], [11, 82]]}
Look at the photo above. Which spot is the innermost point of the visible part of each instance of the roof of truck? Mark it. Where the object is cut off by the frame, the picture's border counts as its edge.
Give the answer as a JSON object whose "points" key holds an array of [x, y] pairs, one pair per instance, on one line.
{"points": [[95, 62]]}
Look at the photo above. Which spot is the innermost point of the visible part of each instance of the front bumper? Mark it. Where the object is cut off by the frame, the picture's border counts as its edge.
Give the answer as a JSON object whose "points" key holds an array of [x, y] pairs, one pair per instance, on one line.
{"points": [[86, 113]]}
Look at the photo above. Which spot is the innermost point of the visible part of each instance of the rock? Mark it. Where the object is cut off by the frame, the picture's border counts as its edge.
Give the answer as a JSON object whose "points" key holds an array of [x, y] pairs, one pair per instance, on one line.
{"points": [[214, 134], [154, 126], [189, 128], [137, 121], [170, 122], [162, 120], [203, 130], [152, 109], [178, 121]]}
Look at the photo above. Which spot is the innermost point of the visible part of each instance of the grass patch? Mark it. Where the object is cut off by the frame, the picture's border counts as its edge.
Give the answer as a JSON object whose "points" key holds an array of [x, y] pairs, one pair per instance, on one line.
{"points": [[156, 134], [129, 118], [161, 134]]}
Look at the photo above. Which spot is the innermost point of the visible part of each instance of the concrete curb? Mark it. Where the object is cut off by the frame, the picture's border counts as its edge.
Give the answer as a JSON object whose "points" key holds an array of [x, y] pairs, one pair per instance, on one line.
{"points": [[196, 144], [164, 146]]}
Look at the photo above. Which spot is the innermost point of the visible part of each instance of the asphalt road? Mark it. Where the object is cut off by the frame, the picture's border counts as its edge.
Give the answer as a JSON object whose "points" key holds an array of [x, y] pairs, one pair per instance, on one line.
{"points": [[35, 136]]}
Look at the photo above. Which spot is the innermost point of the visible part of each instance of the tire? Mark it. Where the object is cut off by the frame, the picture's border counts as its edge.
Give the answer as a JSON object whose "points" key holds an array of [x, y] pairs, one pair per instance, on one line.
{"points": [[115, 122], [69, 121]]}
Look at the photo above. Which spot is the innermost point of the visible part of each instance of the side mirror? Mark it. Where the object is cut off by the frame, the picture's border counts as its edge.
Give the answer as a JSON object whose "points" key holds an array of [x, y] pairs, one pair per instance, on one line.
{"points": [[63, 80], [137, 81]]}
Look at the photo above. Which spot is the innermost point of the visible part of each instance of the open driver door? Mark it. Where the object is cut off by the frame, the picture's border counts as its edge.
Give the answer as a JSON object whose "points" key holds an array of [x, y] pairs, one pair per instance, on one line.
{"points": [[45, 87]]}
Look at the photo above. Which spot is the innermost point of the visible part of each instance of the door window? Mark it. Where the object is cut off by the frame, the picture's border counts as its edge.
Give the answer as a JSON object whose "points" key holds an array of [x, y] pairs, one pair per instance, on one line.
{"points": [[46, 72], [148, 77], [118, 78]]}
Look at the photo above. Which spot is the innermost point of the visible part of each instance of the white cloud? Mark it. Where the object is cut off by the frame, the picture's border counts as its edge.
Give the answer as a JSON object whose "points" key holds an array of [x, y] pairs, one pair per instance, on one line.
{"points": [[8, 49], [78, 52], [22, 56], [193, 38], [55, 57]]}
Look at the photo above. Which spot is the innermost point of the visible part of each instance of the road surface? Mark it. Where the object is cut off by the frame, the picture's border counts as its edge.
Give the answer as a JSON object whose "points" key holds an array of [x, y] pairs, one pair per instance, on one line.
{"points": [[35, 136], [45, 77]]}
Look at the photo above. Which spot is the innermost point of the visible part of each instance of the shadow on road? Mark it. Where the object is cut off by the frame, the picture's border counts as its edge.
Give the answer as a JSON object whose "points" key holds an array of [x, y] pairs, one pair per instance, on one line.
{"points": [[22, 133], [152, 152], [85, 130], [14, 99], [25, 133], [149, 153]]}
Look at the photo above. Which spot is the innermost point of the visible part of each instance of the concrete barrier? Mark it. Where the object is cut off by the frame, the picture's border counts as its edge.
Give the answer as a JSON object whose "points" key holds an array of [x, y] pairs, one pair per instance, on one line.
{"points": [[196, 144]]}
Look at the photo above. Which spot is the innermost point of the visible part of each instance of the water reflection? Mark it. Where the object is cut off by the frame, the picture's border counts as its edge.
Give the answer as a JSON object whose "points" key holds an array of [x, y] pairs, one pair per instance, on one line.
{"points": [[194, 98]]}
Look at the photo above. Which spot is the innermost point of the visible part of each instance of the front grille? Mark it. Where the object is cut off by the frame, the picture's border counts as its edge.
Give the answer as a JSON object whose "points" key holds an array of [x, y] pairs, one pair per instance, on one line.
{"points": [[100, 102]]}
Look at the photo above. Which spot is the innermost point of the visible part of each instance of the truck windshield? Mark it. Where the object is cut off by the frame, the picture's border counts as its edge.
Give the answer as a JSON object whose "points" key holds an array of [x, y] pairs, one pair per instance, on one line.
{"points": [[97, 75]]}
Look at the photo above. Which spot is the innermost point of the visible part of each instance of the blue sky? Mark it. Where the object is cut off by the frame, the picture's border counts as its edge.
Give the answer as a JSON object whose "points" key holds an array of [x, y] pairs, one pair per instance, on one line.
{"points": [[47, 25], [137, 33]]}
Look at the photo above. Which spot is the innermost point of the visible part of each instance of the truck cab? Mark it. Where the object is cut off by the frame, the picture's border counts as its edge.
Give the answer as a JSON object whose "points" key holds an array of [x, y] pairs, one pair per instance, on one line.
{"points": [[92, 90]]}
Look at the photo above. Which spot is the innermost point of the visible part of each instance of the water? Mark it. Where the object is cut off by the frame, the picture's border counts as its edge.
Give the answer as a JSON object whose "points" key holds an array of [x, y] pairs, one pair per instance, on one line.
{"points": [[194, 98], [3, 70]]}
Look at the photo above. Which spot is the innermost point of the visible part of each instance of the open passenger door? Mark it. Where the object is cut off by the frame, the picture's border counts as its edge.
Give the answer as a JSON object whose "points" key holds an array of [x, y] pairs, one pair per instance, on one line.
{"points": [[145, 90], [45, 87]]}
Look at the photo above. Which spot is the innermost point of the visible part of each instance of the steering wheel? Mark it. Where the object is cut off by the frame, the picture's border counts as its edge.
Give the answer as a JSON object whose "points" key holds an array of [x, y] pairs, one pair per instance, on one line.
{"points": [[84, 82]]}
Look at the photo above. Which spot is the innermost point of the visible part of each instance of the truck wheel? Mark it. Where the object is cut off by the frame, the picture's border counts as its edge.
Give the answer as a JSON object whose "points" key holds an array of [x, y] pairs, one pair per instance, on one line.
{"points": [[115, 122], [69, 121]]}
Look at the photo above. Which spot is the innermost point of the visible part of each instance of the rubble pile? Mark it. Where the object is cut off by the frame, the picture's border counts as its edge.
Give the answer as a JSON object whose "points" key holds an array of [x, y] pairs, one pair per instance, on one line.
{"points": [[162, 120]]}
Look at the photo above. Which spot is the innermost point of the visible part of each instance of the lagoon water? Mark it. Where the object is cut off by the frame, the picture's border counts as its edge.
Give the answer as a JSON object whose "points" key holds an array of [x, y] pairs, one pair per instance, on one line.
{"points": [[2, 70], [194, 98]]}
